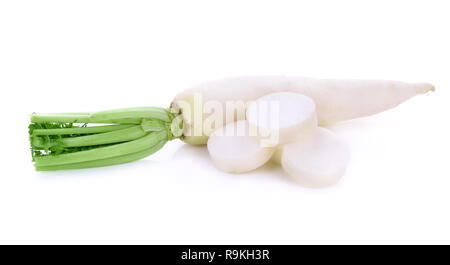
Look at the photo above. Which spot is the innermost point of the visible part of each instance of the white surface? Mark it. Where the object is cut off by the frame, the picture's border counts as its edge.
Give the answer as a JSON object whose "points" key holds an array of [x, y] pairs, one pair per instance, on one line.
{"points": [[92, 55], [233, 149], [282, 117], [319, 159], [294, 108]]}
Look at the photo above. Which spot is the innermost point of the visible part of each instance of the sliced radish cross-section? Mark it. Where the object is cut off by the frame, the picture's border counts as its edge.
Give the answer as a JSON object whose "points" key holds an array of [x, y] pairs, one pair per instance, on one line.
{"points": [[319, 159], [282, 116], [233, 149]]}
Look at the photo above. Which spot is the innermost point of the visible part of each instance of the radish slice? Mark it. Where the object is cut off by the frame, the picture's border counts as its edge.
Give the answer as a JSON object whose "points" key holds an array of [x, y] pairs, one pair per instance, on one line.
{"points": [[282, 117], [317, 160], [234, 150]]}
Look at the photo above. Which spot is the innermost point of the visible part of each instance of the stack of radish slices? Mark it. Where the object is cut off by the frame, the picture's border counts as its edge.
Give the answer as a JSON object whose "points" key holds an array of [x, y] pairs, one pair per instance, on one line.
{"points": [[281, 127]]}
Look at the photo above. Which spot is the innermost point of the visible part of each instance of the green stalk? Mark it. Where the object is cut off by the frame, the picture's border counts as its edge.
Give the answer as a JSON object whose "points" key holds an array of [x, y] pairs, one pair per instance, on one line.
{"points": [[140, 144], [69, 141], [108, 161], [118, 136], [139, 112], [60, 117], [80, 130], [78, 118]]}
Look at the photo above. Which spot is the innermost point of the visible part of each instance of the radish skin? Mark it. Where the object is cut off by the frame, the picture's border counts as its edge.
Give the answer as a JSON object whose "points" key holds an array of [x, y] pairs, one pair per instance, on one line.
{"points": [[232, 149], [282, 117], [318, 160], [276, 157], [336, 99]]}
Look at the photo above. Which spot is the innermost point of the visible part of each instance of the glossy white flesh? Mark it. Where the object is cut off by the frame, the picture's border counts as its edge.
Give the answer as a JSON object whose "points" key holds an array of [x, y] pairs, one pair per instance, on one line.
{"points": [[234, 150], [284, 116], [318, 160]]}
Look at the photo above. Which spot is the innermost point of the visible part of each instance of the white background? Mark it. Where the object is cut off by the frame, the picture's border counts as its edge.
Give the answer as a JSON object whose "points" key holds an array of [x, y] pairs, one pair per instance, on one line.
{"points": [[65, 56]]}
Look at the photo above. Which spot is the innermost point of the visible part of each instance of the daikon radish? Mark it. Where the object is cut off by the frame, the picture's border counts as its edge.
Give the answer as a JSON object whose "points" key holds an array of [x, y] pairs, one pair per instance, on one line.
{"points": [[91, 139], [317, 160], [336, 99], [282, 117], [233, 149]]}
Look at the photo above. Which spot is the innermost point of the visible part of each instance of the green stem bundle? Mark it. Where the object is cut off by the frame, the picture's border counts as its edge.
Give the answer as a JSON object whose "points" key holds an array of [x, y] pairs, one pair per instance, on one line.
{"points": [[83, 140]]}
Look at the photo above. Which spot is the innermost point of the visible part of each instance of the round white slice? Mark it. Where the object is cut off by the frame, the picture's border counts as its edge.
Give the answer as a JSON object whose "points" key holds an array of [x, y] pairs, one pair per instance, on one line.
{"points": [[317, 160], [234, 149], [281, 118]]}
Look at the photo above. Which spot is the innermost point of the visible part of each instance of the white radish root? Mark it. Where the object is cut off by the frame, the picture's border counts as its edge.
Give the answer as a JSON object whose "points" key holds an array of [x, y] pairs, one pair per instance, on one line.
{"points": [[276, 157], [234, 150], [318, 160], [335, 99], [282, 117]]}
